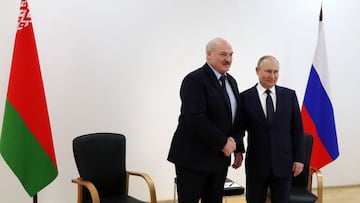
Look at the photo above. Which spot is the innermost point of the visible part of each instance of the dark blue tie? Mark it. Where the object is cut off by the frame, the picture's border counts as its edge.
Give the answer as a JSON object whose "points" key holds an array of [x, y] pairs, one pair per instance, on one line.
{"points": [[269, 106], [223, 85]]}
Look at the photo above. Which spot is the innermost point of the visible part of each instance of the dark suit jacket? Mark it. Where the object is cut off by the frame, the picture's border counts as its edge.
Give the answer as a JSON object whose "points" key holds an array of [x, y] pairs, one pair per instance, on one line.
{"points": [[204, 123], [272, 148]]}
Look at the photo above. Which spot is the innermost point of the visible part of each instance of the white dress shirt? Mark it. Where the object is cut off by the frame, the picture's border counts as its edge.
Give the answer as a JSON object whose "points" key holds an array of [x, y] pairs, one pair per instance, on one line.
{"points": [[262, 95]]}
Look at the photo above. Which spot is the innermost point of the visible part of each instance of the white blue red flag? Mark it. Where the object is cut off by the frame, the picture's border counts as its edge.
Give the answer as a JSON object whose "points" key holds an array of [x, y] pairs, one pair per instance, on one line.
{"points": [[317, 110]]}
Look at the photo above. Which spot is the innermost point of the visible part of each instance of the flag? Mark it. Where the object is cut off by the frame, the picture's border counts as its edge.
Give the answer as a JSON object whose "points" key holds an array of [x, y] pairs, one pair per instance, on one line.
{"points": [[317, 110], [26, 142]]}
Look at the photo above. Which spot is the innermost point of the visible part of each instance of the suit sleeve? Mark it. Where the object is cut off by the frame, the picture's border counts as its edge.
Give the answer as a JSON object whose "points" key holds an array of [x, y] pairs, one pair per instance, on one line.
{"points": [[297, 132], [239, 127], [238, 133]]}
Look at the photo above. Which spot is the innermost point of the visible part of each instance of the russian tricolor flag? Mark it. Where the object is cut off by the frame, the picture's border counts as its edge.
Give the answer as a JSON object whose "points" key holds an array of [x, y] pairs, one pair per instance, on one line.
{"points": [[317, 111]]}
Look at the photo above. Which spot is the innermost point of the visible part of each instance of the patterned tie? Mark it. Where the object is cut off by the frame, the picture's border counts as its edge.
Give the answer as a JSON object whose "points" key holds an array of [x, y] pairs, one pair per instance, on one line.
{"points": [[269, 106]]}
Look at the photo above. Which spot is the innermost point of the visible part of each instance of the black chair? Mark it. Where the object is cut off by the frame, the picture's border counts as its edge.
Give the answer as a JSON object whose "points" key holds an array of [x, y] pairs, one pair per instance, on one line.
{"points": [[100, 160], [301, 186]]}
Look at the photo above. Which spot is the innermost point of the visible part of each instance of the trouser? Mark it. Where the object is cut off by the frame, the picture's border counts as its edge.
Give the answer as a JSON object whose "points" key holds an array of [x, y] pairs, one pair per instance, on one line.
{"points": [[194, 185]]}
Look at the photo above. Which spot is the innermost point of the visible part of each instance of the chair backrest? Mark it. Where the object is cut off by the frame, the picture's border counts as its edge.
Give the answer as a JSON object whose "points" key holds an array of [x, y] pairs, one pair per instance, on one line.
{"points": [[100, 158], [302, 179]]}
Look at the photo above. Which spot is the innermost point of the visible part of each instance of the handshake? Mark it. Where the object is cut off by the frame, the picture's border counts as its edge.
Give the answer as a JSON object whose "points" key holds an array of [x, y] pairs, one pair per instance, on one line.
{"points": [[229, 147]]}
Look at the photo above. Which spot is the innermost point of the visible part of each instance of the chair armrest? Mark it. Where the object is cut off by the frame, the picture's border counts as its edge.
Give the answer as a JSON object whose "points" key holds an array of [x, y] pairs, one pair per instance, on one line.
{"points": [[90, 186], [319, 180], [147, 179]]}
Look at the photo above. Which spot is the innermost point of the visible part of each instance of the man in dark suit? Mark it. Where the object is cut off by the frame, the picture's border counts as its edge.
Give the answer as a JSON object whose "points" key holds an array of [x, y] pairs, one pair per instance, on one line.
{"points": [[205, 136], [275, 149]]}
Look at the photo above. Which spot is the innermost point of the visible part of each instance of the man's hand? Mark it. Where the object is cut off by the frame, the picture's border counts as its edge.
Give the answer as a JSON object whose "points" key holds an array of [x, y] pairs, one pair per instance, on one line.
{"points": [[229, 147], [297, 168], [238, 160]]}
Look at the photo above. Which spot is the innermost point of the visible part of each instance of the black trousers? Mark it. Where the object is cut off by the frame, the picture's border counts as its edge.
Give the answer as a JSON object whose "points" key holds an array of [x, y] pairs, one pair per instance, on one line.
{"points": [[257, 189], [194, 185]]}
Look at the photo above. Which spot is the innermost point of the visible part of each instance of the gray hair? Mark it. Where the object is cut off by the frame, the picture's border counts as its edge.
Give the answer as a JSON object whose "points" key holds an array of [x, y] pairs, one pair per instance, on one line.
{"points": [[267, 57], [212, 44]]}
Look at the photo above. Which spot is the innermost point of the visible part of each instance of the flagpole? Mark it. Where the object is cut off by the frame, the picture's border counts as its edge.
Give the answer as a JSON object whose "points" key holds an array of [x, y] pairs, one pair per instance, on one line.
{"points": [[35, 198], [321, 13]]}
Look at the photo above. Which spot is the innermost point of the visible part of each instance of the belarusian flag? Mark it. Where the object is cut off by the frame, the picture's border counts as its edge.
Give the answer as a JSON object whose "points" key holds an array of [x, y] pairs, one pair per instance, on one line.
{"points": [[26, 142]]}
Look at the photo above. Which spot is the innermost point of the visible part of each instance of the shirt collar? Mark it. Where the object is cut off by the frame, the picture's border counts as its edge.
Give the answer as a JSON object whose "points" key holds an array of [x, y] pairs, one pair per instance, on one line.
{"points": [[217, 74], [261, 90]]}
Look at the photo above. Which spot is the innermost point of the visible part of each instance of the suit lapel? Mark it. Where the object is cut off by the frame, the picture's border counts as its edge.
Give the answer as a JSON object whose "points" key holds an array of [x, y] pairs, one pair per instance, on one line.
{"points": [[235, 90], [259, 112], [280, 102], [216, 83]]}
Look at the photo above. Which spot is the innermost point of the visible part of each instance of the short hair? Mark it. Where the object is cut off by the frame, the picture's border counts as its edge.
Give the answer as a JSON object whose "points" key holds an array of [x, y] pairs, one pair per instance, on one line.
{"points": [[261, 59], [212, 44]]}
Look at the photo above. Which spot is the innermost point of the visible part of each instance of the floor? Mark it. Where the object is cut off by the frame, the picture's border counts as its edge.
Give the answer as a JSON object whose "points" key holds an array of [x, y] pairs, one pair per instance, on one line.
{"points": [[344, 194]]}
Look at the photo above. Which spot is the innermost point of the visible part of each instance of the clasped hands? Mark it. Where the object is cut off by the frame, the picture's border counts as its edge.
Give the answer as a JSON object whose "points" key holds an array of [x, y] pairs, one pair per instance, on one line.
{"points": [[229, 147]]}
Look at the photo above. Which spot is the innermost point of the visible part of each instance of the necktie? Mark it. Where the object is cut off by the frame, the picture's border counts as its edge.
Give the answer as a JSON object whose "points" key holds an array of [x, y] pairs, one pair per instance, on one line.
{"points": [[223, 85], [269, 106]]}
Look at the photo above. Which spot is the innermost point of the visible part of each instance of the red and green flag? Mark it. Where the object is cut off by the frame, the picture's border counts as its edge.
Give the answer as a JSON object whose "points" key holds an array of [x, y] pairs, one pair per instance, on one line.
{"points": [[26, 142]]}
